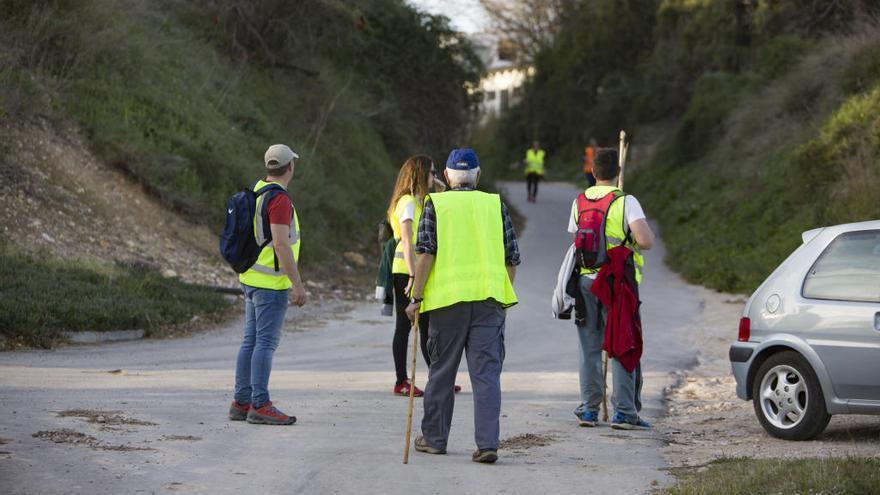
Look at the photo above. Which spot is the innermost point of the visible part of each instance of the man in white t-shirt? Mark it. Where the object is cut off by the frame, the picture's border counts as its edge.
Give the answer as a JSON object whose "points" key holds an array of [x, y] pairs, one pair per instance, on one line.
{"points": [[627, 385]]}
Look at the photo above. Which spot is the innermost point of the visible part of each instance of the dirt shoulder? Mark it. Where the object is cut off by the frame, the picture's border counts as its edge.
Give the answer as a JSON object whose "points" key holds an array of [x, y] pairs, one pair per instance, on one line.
{"points": [[706, 420]]}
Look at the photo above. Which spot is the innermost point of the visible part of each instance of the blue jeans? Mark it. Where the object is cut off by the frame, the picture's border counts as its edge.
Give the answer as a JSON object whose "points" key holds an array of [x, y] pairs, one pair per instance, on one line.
{"points": [[263, 319], [627, 387]]}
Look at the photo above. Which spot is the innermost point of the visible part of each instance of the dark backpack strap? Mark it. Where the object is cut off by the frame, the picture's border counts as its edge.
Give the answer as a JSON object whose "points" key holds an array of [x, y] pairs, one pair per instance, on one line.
{"points": [[269, 192], [627, 233], [272, 186]]}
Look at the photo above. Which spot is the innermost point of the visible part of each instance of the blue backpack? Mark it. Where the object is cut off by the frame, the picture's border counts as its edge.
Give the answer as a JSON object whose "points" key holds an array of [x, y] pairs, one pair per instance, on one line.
{"points": [[238, 245]]}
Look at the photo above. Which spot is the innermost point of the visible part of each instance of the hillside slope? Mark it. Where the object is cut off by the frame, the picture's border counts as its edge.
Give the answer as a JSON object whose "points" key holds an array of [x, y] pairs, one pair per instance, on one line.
{"points": [[125, 125], [58, 199]]}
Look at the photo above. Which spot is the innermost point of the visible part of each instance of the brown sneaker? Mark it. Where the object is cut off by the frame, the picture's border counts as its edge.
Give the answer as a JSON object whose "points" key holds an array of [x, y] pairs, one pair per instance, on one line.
{"points": [[487, 456], [422, 446], [238, 412], [269, 415]]}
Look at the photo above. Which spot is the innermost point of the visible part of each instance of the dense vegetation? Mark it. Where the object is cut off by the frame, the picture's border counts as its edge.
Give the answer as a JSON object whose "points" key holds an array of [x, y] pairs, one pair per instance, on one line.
{"points": [[185, 96], [761, 117], [44, 297]]}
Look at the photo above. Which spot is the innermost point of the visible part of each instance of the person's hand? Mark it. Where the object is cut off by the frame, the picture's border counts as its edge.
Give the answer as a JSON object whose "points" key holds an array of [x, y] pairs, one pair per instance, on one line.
{"points": [[298, 295], [408, 287], [439, 186], [412, 309]]}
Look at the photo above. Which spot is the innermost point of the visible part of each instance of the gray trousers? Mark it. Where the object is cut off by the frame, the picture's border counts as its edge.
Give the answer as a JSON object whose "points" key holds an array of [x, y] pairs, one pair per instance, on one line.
{"points": [[627, 387], [477, 328]]}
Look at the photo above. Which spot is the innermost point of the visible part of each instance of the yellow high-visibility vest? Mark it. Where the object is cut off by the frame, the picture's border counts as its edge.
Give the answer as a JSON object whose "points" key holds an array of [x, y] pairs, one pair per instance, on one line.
{"points": [[263, 274], [614, 228], [399, 265], [469, 265], [535, 161]]}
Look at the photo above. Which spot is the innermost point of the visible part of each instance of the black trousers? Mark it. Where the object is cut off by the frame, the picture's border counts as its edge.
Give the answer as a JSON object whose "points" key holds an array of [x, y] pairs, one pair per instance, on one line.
{"points": [[402, 327], [532, 183]]}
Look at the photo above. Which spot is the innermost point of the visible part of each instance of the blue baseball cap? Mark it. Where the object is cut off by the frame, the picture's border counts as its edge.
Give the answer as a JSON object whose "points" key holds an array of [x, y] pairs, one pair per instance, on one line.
{"points": [[462, 159]]}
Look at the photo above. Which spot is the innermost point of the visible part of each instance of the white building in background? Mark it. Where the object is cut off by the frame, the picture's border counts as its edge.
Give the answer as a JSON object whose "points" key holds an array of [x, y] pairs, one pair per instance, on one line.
{"points": [[501, 86]]}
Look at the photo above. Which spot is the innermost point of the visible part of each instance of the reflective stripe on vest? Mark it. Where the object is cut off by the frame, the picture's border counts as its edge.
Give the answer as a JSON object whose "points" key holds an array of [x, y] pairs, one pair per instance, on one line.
{"points": [[615, 235], [263, 274], [399, 265], [469, 265]]}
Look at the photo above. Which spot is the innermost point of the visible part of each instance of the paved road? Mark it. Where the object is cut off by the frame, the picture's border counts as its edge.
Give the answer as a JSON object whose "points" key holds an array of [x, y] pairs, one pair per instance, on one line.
{"points": [[336, 377]]}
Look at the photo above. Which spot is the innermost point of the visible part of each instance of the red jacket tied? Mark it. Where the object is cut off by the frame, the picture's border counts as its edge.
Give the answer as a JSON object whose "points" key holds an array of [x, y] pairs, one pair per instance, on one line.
{"points": [[616, 288]]}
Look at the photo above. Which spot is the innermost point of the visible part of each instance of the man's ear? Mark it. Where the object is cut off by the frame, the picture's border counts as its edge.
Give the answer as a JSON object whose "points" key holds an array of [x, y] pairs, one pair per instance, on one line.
{"points": [[446, 175]]}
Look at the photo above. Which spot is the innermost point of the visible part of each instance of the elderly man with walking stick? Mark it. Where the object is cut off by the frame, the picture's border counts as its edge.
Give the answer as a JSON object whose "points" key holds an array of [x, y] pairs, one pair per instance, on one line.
{"points": [[466, 258]]}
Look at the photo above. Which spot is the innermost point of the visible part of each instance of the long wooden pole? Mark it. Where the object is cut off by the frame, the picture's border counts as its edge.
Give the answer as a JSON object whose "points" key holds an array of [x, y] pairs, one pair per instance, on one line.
{"points": [[624, 149], [412, 388]]}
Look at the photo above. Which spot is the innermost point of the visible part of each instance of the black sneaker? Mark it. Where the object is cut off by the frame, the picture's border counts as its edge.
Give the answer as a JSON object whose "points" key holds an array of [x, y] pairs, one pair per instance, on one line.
{"points": [[487, 456]]}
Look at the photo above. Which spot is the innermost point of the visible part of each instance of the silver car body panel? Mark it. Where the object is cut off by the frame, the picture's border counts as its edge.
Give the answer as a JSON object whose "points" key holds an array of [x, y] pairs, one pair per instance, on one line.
{"points": [[839, 339]]}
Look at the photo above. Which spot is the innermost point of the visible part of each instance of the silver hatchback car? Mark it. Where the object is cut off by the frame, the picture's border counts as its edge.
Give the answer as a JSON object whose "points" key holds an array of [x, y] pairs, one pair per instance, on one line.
{"points": [[809, 337]]}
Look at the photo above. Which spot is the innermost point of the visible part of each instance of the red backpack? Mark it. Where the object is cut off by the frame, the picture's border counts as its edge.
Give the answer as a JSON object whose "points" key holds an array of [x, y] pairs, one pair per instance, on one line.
{"points": [[589, 240]]}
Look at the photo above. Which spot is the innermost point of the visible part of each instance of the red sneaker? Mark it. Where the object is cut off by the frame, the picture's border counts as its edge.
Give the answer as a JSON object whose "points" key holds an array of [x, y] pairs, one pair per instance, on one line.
{"points": [[456, 389], [269, 415], [238, 412], [403, 389]]}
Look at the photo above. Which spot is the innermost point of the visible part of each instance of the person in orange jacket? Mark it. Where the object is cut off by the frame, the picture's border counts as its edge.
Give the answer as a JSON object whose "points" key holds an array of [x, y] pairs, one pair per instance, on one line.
{"points": [[589, 158]]}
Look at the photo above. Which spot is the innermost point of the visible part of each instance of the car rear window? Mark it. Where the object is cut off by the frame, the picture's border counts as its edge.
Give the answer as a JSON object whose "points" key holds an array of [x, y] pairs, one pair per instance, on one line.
{"points": [[848, 269]]}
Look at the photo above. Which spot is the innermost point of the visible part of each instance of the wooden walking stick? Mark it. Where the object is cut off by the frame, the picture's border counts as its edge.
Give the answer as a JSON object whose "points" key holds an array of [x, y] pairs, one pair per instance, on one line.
{"points": [[412, 387], [621, 157], [621, 161]]}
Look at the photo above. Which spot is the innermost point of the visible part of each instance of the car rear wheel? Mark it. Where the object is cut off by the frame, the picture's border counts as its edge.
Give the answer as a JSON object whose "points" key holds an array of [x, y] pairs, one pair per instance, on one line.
{"points": [[788, 399]]}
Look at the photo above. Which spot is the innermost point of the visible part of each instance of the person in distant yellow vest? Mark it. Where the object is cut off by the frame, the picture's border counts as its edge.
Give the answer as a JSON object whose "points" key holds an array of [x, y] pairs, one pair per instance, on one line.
{"points": [[534, 170], [624, 224], [465, 265], [266, 286]]}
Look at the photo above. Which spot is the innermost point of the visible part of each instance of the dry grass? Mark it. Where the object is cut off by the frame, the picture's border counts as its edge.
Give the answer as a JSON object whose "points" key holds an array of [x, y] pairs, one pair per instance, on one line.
{"points": [[804, 476]]}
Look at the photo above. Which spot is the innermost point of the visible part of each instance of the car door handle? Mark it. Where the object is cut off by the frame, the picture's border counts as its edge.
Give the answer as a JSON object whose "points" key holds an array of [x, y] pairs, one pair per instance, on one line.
{"points": [[877, 321]]}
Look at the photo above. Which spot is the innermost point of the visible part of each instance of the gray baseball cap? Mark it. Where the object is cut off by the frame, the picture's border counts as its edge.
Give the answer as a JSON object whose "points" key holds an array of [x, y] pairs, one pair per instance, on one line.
{"points": [[278, 155]]}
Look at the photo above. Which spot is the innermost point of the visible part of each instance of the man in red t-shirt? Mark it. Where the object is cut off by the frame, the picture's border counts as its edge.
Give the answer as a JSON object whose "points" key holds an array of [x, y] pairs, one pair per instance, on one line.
{"points": [[267, 286]]}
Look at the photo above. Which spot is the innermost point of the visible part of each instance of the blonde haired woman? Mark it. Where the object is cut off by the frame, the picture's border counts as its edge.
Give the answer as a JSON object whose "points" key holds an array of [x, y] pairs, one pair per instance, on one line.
{"points": [[416, 177]]}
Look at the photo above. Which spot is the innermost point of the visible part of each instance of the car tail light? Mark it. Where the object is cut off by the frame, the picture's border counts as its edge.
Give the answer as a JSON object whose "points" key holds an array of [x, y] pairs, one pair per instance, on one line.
{"points": [[745, 329]]}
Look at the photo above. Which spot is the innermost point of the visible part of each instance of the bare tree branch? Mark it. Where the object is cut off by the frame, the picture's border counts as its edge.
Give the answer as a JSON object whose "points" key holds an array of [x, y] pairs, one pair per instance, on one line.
{"points": [[529, 25]]}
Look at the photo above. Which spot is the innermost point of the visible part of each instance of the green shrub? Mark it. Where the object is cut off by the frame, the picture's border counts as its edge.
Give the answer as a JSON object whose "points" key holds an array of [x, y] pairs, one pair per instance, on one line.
{"points": [[41, 297], [863, 71], [715, 95]]}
